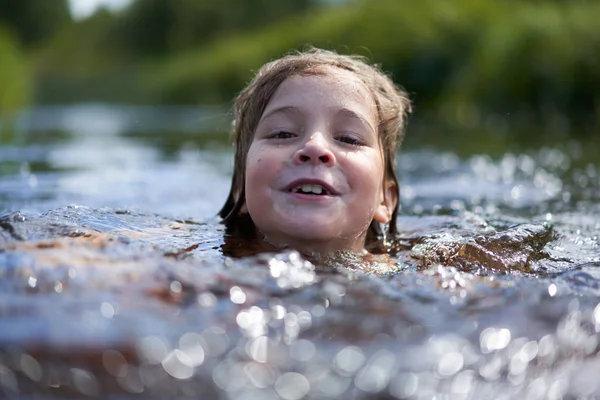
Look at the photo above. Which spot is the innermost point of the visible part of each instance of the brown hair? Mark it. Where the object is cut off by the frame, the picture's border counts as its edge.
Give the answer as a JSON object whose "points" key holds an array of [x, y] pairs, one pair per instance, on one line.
{"points": [[392, 104]]}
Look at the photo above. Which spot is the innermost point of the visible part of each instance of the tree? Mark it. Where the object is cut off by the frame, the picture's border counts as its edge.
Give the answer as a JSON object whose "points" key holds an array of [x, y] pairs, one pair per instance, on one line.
{"points": [[33, 21], [159, 27]]}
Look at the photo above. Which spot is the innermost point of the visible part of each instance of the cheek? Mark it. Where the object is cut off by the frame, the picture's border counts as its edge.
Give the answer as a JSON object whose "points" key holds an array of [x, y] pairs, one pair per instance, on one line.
{"points": [[253, 175], [367, 173], [254, 165], [261, 169]]}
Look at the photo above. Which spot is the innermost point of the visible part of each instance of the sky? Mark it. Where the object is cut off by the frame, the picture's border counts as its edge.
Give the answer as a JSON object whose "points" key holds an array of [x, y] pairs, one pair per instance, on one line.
{"points": [[81, 9]]}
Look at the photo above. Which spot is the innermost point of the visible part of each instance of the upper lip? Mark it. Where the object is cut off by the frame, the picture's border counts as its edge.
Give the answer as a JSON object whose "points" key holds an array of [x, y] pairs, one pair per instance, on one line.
{"points": [[308, 181]]}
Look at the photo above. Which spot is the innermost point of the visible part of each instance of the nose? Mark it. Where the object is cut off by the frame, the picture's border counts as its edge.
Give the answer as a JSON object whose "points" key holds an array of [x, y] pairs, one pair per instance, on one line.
{"points": [[315, 151]]}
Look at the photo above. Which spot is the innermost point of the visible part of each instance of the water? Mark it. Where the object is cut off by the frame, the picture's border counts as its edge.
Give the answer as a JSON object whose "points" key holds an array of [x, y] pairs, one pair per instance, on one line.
{"points": [[115, 282]]}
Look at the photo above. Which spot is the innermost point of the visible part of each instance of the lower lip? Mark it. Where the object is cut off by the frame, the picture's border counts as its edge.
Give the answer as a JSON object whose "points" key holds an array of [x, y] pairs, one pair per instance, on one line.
{"points": [[310, 197]]}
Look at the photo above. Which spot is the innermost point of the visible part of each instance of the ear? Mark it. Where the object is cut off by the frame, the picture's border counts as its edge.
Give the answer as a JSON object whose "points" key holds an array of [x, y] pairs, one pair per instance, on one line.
{"points": [[243, 209], [388, 201]]}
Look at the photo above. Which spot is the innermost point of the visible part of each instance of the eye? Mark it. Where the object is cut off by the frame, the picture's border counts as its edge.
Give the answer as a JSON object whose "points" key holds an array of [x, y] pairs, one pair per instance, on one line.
{"points": [[349, 139], [282, 135]]}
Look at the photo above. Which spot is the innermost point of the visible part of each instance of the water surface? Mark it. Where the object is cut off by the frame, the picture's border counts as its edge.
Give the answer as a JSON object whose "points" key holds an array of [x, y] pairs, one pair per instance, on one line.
{"points": [[115, 283]]}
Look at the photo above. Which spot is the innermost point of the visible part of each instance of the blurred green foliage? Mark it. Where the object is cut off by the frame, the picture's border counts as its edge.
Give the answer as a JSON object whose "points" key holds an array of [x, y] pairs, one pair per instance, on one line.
{"points": [[158, 27], [34, 21], [15, 78], [114, 57], [469, 65], [24, 25]]}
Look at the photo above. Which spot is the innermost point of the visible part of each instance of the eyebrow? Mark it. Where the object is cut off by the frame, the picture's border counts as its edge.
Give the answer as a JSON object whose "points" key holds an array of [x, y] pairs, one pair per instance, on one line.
{"points": [[343, 112], [281, 110]]}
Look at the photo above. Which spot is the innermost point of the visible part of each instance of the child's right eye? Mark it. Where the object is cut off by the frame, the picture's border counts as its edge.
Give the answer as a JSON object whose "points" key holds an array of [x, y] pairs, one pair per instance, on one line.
{"points": [[282, 135]]}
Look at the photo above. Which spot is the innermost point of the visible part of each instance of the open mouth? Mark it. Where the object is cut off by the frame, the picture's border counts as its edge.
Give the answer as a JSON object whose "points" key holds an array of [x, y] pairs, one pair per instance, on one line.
{"points": [[315, 190]]}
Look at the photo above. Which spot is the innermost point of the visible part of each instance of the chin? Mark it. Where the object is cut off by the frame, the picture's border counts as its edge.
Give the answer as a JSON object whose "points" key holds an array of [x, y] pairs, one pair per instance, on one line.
{"points": [[306, 231], [313, 227]]}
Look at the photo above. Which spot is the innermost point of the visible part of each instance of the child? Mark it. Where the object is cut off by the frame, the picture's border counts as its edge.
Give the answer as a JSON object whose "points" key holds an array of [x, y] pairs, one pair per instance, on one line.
{"points": [[315, 138]]}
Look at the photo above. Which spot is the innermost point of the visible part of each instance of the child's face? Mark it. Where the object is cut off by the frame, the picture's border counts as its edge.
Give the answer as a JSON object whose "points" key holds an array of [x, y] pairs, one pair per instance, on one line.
{"points": [[315, 169]]}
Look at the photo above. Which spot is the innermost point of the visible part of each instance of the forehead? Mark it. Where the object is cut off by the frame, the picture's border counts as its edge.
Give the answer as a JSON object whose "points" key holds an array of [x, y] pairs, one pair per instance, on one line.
{"points": [[331, 87]]}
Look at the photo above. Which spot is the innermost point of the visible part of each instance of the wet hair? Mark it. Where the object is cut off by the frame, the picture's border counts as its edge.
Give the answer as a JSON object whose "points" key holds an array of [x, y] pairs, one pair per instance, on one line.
{"points": [[393, 107]]}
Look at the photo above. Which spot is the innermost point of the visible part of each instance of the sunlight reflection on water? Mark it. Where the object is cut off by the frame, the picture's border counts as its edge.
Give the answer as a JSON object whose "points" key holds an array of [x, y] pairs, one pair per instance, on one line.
{"points": [[495, 294]]}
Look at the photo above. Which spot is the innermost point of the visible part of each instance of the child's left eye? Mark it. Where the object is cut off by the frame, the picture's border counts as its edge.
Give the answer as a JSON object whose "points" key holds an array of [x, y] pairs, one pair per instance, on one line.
{"points": [[350, 140]]}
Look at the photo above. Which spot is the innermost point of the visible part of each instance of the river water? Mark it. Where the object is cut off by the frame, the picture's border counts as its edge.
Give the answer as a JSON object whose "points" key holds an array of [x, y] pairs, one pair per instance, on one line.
{"points": [[117, 279]]}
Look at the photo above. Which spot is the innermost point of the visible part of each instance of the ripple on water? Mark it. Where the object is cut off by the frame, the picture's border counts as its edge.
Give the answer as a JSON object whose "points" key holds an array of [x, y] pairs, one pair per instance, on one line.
{"points": [[99, 303]]}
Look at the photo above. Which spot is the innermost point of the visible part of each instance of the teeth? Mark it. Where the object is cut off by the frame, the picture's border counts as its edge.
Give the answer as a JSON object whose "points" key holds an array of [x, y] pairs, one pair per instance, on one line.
{"points": [[315, 189]]}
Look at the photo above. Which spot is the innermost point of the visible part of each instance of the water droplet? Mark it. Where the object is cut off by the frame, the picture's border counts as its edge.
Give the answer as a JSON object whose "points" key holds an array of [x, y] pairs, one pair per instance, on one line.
{"points": [[216, 340], [278, 312], [536, 389], [31, 367], [558, 389], [404, 385], [573, 305], [237, 295], [261, 377], [463, 382], [450, 364], [152, 349], [230, 376], [375, 376], [8, 380], [303, 350], [349, 360], [84, 382], [258, 349], [32, 181], [492, 339], [491, 370], [292, 386], [191, 344], [597, 316], [107, 310], [552, 289], [115, 363], [175, 287], [318, 310], [178, 365], [515, 193], [132, 382], [529, 351], [207, 299], [304, 320]]}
